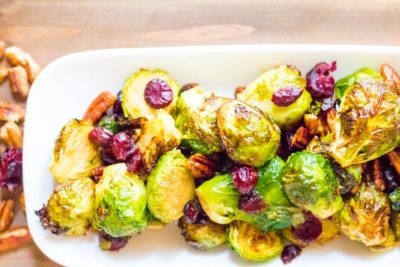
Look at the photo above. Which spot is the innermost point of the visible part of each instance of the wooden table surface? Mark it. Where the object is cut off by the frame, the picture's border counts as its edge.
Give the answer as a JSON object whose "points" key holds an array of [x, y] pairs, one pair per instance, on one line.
{"points": [[51, 28]]}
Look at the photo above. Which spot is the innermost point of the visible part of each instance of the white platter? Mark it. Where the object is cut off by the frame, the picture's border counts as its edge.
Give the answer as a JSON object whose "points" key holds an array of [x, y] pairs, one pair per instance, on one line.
{"points": [[65, 88]]}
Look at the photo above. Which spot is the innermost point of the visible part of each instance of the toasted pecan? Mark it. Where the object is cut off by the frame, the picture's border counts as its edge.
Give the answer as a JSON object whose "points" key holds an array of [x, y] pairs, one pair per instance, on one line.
{"points": [[99, 105]]}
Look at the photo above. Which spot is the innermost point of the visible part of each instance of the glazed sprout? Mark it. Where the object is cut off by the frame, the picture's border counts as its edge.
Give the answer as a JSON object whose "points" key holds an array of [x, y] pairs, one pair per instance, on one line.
{"points": [[74, 155], [133, 99], [365, 216], [260, 93], [158, 136], [196, 118], [204, 236], [120, 202], [252, 244], [169, 187], [248, 136], [368, 124], [70, 208], [310, 184]]}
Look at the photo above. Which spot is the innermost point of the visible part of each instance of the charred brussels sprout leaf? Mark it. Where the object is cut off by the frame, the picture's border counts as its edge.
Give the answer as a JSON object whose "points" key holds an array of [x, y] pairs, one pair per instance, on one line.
{"points": [[310, 184], [249, 137], [170, 186], [196, 118], [74, 155], [133, 100], [259, 94], [253, 244], [368, 125], [365, 216], [120, 202]]}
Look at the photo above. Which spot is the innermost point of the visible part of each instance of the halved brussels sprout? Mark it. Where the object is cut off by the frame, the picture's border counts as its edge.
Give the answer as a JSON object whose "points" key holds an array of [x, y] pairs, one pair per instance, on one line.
{"points": [[70, 208], [248, 136], [169, 187], [158, 136], [74, 155], [252, 244], [259, 94], [363, 75], [365, 216], [310, 184], [133, 101], [120, 202], [196, 118], [368, 125], [203, 236]]}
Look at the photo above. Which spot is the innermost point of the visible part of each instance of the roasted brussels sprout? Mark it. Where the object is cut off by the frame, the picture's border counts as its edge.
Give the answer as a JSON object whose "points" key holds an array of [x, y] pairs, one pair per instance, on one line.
{"points": [[368, 125], [70, 208], [196, 118], [365, 216], [310, 184], [169, 187], [363, 76], [253, 244], [158, 136], [248, 136], [74, 155], [120, 202], [389, 243], [259, 94], [133, 97], [204, 236], [394, 198]]}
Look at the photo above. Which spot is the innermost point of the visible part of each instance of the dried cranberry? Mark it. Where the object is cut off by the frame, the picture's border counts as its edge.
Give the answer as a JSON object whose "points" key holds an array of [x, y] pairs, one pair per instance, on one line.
{"points": [[193, 212], [134, 162], [107, 242], [389, 176], [158, 94], [100, 136], [286, 96], [11, 168], [244, 178], [310, 230], [117, 109], [320, 83], [251, 203], [107, 156], [122, 145], [289, 253]]}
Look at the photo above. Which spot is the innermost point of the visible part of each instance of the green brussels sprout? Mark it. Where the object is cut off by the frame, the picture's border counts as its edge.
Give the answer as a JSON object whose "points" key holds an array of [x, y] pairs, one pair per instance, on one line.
{"points": [[365, 216], [252, 244], [196, 118], [158, 136], [259, 94], [70, 208], [203, 236], [74, 155], [248, 136], [310, 184], [394, 198], [363, 75], [133, 101], [169, 187], [120, 202], [367, 126]]}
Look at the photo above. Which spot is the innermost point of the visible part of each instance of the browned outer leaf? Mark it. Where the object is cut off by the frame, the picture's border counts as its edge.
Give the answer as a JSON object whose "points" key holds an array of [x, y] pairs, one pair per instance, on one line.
{"points": [[389, 74]]}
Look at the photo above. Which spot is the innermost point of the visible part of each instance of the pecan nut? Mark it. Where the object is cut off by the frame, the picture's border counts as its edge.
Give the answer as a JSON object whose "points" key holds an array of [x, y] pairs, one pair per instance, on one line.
{"points": [[301, 138], [18, 78], [99, 105], [315, 125], [3, 74], [389, 74], [11, 112], [11, 134], [394, 158], [331, 119], [202, 167], [14, 238], [377, 175], [6, 214], [22, 201], [18, 57]]}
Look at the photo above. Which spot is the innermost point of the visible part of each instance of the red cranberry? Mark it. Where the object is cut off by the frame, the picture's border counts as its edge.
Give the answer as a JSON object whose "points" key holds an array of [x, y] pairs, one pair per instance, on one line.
{"points": [[122, 145], [320, 83], [11, 168], [251, 203], [158, 94], [244, 178], [193, 212], [310, 230], [100, 136], [389, 176], [107, 156], [286, 96], [134, 162], [290, 252]]}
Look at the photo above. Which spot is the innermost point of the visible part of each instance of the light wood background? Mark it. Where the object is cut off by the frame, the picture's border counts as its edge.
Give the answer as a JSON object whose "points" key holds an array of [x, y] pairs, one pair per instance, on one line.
{"points": [[51, 28]]}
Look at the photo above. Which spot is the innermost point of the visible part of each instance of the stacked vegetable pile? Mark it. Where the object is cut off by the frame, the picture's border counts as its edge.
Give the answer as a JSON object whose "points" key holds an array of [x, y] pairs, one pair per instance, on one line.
{"points": [[289, 162]]}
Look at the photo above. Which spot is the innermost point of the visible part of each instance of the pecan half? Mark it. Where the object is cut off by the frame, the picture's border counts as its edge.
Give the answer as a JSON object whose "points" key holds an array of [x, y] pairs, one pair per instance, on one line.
{"points": [[18, 57], [315, 125], [99, 105], [202, 167], [331, 119], [18, 78], [377, 175], [11, 134], [6, 214], [238, 90], [11, 112], [22, 201], [14, 238], [301, 138], [394, 158], [2, 48], [389, 74], [3, 74]]}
